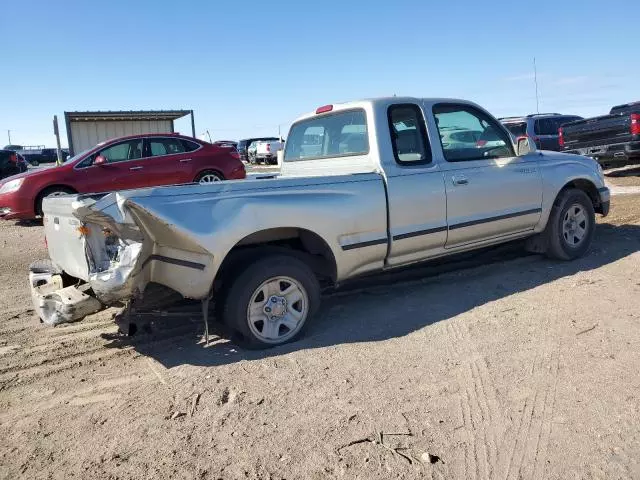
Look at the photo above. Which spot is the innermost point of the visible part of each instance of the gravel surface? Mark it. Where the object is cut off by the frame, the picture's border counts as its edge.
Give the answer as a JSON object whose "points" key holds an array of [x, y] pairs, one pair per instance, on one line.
{"points": [[511, 367]]}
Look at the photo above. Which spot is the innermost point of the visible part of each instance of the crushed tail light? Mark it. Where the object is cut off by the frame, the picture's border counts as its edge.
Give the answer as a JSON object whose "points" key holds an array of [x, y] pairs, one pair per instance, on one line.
{"points": [[560, 137], [112, 244]]}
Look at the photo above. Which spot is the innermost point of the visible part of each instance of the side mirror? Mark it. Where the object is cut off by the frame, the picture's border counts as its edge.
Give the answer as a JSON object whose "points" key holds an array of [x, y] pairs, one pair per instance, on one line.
{"points": [[524, 146], [100, 160]]}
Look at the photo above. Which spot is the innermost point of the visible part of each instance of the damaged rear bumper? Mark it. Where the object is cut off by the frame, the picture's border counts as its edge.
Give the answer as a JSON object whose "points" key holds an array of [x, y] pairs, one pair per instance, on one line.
{"points": [[55, 303]]}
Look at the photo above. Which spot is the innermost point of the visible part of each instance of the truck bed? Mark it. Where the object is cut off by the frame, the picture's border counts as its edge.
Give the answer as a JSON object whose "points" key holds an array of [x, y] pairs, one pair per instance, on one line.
{"points": [[606, 138]]}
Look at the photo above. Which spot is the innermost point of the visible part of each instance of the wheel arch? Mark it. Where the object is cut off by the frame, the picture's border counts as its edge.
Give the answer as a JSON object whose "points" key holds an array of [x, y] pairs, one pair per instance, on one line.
{"points": [[208, 169], [49, 188], [588, 187], [301, 243]]}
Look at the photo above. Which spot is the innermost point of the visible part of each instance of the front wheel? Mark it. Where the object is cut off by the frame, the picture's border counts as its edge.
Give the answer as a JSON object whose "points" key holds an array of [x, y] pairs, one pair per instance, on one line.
{"points": [[571, 225], [270, 302], [52, 192], [209, 176]]}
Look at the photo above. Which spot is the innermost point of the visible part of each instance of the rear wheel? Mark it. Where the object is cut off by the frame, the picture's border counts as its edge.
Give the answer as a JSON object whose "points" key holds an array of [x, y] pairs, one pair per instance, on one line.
{"points": [[51, 192], [571, 225], [270, 302], [209, 176]]}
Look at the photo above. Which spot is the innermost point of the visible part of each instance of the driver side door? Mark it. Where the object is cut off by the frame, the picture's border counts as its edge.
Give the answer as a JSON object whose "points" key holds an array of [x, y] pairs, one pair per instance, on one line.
{"points": [[491, 193], [124, 168]]}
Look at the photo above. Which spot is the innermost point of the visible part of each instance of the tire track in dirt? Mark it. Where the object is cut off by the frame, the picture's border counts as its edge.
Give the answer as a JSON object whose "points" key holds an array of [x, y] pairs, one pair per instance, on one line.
{"points": [[528, 442], [480, 410], [102, 391], [68, 356]]}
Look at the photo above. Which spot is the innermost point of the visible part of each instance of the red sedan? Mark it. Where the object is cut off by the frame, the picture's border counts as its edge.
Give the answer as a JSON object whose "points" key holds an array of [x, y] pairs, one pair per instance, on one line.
{"points": [[124, 163]]}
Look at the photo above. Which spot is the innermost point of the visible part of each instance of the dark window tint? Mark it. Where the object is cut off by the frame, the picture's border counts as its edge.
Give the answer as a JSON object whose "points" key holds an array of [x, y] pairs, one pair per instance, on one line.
{"points": [[517, 129], [120, 152], [4, 157], [545, 126], [339, 134], [165, 146], [189, 146], [493, 141], [408, 134]]}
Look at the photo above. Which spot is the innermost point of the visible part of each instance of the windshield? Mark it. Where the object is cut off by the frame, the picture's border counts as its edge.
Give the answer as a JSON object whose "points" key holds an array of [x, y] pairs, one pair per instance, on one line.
{"points": [[517, 129], [81, 154]]}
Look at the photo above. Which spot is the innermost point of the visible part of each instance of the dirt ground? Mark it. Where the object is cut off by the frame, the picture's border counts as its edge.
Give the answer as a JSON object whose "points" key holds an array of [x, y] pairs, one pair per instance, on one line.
{"points": [[507, 366]]}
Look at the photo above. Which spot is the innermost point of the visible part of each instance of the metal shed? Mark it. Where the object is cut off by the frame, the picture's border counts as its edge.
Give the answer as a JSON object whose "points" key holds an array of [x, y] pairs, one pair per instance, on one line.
{"points": [[86, 129]]}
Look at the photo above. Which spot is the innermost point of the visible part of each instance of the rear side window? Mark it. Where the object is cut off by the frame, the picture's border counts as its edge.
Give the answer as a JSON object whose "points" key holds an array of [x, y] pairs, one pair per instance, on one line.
{"points": [[189, 146], [165, 146], [549, 126], [340, 134], [517, 129], [408, 135]]}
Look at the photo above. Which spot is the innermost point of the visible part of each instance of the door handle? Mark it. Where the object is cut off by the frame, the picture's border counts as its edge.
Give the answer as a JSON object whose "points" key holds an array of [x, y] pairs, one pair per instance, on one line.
{"points": [[185, 160], [459, 180], [136, 168]]}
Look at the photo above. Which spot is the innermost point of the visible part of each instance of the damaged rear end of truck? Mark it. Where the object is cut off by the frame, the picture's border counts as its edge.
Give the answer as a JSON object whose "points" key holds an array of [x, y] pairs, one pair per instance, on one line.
{"points": [[107, 249]]}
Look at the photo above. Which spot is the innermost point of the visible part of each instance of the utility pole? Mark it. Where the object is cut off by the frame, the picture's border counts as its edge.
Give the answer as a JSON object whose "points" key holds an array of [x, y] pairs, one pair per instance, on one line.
{"points": [[9, 135], [535, 79], [56, 132]]}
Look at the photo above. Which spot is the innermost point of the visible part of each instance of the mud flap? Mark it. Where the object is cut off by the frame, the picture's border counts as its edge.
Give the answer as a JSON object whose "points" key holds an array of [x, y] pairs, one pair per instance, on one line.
{"points": [[55, 303]]}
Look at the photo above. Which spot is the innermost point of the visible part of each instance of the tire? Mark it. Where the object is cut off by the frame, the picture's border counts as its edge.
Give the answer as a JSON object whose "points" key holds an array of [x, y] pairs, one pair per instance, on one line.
{"points": [[571, 225], [264, 284], [51, 192], [208, 176]]}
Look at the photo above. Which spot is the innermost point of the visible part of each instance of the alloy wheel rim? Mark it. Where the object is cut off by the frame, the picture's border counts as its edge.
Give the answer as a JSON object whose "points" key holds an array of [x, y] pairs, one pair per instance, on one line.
{"points": [[209, 178]]}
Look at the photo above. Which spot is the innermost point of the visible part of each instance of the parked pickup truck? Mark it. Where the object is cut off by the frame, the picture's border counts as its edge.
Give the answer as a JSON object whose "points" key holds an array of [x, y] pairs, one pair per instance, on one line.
{"points": [[267, 151], [380, 191], [610, 139]]}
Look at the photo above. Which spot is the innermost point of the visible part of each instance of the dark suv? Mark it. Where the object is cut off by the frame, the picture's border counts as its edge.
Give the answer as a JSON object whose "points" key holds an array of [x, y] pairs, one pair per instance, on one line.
{"points": [[243, 145], [11, 163], [541, 127]]}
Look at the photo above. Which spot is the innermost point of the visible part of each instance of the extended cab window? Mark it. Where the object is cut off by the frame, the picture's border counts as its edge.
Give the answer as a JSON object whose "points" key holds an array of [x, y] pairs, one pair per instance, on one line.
{"points": [[408, 134], [339, 134], [492, 141]]}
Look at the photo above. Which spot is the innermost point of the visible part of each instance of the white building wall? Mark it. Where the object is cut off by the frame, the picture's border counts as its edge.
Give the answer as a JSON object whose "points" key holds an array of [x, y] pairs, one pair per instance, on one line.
{"points": [[85, 135]]}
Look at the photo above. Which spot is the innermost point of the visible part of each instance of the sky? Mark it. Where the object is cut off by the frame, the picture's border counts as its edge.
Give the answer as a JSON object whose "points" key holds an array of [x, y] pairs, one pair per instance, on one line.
{"points": [[249, 68]]}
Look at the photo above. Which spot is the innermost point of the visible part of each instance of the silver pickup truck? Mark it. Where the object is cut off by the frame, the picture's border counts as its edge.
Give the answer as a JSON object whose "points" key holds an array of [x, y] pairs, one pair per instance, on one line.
{"points": [[365, 186]]}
